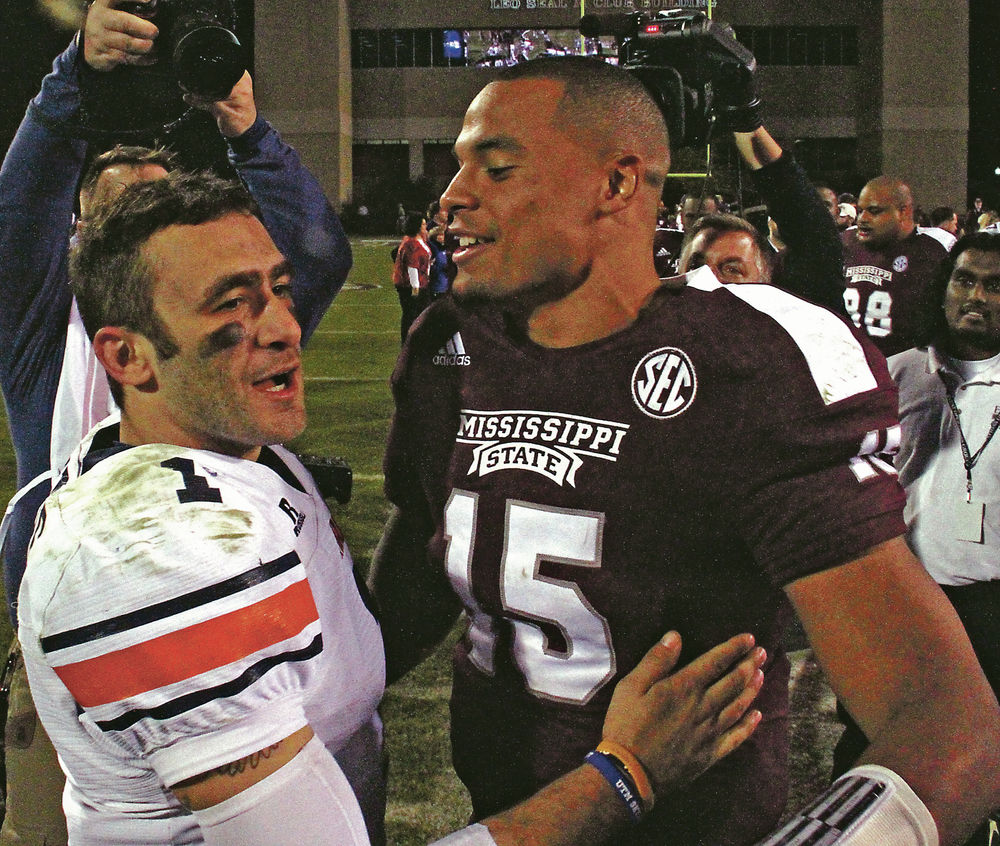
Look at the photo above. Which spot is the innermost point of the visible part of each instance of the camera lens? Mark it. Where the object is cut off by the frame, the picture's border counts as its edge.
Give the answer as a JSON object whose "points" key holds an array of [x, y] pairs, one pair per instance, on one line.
{"points": [[209, 61]]}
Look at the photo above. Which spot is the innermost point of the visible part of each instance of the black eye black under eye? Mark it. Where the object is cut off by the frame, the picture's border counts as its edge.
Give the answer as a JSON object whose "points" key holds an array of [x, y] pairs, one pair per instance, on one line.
{"points": [[223, 338]]}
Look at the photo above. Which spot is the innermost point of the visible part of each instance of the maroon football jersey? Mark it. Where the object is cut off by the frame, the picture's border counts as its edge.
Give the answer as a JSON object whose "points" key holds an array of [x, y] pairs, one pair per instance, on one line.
{"points": [[667, 243], [674, 475], [887, 291]]}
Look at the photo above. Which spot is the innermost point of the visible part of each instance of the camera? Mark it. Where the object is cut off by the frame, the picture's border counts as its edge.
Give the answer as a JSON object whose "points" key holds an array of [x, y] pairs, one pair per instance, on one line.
{"points": [[684, 59], [333, 476], [196, 39], [196, 52]]}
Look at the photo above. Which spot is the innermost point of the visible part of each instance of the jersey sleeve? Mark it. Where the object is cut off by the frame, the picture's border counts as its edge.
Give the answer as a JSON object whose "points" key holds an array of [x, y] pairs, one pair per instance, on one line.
{"points": [[179, 638], [817, 487], [426, 390]]}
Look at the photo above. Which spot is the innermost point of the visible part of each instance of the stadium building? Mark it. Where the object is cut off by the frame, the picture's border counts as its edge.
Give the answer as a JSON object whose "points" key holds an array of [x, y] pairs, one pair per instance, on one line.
{"points": [[373, 91]]}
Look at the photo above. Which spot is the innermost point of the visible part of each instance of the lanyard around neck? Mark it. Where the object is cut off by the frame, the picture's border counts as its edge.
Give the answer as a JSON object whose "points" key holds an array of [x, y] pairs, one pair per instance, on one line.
{"points": [[970, 459]]}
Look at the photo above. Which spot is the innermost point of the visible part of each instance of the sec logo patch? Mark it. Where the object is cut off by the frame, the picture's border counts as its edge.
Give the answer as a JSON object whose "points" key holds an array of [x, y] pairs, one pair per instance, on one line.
{"points": [[664, 383], [900, 264]]}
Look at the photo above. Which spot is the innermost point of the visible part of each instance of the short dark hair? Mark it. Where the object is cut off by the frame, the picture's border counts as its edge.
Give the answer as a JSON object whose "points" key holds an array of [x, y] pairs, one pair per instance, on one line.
{"points": [[988, 242], [604, 102], [412, 223], [122, 154], [941, 214], [717, 224], [112, 281]]}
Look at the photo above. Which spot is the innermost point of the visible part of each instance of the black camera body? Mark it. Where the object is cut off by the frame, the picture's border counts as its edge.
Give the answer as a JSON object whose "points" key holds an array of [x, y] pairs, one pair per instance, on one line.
{"points": [[684, 58], [196, 52], [197, 40], [332, 474]]}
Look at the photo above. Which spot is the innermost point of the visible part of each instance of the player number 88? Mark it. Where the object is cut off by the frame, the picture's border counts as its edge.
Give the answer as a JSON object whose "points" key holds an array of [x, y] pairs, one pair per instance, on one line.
{"points": [[878, 308]]}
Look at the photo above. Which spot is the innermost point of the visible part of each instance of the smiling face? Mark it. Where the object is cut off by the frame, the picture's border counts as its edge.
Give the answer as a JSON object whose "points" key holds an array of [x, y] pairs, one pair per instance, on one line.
{"points": [[972, 305], [223, 292], [523, 200]]}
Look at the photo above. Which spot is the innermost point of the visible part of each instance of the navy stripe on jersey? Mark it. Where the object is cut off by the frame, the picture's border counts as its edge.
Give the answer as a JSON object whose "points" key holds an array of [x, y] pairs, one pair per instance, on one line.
{"points": [[162, 610], [222, 691], [824, 821], [270, 459]]}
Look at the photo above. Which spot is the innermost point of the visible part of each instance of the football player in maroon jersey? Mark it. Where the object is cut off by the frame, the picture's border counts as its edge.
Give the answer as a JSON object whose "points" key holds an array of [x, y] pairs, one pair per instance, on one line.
{"points": [[889, 266], [581, 454]]}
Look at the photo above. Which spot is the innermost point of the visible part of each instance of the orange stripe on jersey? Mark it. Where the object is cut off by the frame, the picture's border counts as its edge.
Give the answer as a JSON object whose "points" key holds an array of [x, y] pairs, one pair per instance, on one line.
{"points": [[196, 649]]}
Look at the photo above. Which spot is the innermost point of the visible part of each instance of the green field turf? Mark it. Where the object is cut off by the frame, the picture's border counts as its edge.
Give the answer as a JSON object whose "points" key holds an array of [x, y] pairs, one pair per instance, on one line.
{"points": [[348, 363]]}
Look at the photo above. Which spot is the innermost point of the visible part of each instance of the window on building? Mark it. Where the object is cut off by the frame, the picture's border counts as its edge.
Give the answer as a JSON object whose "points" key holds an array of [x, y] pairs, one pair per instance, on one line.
{"points": [[377, 168], [801, 45], [364, 48], [834, 158], [439, 164], [421, 48]]}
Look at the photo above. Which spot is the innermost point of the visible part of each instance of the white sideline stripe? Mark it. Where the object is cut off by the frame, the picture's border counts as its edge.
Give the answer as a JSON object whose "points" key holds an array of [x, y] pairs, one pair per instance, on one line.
{"points": [[356, 332], [345, 379], [369, 477]]}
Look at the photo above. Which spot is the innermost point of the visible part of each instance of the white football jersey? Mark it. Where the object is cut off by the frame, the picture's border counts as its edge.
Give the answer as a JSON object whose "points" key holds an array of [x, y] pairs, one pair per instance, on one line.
{"points": [[182, 609]]}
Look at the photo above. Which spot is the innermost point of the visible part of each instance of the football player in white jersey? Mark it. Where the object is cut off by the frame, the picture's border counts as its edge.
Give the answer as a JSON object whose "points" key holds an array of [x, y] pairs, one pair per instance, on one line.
{"points": [[194, 636]]}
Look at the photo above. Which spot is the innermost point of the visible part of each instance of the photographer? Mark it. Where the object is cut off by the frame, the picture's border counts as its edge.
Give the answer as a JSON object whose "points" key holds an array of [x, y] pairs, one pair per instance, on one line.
{"points": [[811, 264], [53, 389]]}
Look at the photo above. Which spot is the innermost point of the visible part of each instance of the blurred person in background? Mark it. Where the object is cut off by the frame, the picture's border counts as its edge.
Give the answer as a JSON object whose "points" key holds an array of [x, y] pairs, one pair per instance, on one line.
{"points": [[888, 266], [411, 271], [949, 455]]}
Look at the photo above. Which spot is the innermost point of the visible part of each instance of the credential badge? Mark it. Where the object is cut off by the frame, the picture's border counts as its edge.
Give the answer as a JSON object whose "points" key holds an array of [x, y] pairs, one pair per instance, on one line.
{"points": [[664, 383]]}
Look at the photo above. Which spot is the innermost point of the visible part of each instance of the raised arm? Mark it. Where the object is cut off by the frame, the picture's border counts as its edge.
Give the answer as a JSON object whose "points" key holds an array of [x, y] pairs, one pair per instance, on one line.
{"points": [[898, 658], [296, 212], [38, 184], [813, 263], [37, 193]]}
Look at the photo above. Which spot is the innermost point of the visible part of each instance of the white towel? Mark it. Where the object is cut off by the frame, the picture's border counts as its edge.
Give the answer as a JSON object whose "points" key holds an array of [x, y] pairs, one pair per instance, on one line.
{"points": [[83, 398]]}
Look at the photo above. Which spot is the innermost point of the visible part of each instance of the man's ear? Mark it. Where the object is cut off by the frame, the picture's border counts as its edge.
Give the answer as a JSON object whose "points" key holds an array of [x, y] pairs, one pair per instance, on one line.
{"points": [[624, 175], [127, 356]]}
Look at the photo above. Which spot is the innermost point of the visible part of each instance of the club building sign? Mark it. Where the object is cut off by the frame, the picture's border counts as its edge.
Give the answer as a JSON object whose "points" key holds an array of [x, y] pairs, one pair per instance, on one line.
{"points": [[595, 6]]}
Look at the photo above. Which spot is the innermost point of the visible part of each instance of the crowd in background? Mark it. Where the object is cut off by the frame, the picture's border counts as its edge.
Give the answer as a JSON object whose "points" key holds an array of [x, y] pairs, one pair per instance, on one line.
{"points": [[923, 289]]}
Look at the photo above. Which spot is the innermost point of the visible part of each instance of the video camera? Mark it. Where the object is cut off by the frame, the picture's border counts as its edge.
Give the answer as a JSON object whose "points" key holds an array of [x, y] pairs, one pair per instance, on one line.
{"points": [[197, 52], [685, 60]]}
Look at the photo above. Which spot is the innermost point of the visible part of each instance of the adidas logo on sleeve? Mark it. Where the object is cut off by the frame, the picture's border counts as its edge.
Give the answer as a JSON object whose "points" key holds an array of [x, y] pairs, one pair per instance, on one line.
{"points": [[452, 354]]}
